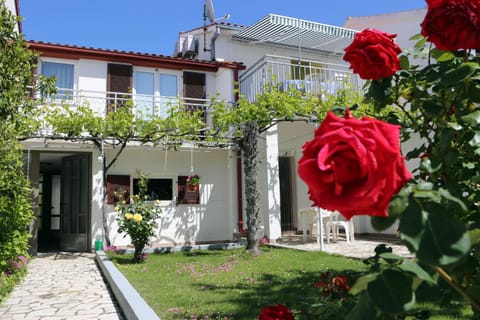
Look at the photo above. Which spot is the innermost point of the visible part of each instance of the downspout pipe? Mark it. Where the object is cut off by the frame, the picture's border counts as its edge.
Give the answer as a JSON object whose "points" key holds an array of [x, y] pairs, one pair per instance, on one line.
{"points": [[212, 42]]}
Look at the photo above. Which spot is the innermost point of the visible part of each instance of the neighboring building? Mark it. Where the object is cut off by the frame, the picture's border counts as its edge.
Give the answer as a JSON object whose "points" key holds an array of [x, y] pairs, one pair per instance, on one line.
{"points": [[69, 174], [404, 24], [283, 51]]}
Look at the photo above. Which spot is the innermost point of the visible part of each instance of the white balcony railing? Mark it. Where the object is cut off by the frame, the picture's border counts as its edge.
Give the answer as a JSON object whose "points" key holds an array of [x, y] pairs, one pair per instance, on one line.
{"points": [[309, 76], [143, 106]]}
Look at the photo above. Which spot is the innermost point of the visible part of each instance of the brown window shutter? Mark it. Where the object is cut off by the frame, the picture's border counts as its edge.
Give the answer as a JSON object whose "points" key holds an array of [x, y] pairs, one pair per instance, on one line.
{"points": [[118, 188], [185, 194], [119, 80], [194, 87]]}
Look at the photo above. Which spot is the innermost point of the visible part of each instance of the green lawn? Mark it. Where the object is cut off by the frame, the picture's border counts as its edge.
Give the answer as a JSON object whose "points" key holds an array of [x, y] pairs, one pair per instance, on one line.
{"points": [[231, 284]]}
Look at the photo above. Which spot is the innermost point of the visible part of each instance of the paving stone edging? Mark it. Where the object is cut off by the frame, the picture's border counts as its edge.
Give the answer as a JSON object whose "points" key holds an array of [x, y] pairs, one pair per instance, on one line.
{"points": [[131, 303]]}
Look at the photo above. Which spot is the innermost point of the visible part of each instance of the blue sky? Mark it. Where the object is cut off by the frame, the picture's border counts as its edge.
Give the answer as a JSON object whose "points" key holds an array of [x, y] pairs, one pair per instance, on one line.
{"points": [[152, 26]]}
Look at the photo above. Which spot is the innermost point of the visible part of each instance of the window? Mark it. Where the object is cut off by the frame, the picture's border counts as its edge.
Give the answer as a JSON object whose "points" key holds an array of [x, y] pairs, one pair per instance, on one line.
{"points": [[157, 189], [187, 193], [63, 73], [154, 92], [145, 91]]}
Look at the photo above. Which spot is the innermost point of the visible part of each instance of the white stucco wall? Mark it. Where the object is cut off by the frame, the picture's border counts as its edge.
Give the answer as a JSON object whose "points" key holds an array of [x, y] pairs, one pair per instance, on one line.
{"points": [[92, 77], [211, 220]]}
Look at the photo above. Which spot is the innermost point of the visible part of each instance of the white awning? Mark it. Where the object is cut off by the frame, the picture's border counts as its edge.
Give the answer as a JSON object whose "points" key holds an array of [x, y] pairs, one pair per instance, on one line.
{"points": [[297, 33]]}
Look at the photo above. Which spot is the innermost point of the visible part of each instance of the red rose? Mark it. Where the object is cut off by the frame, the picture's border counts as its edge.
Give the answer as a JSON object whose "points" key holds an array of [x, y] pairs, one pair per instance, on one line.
{"points": [[353, 165], [278, 312], [373, 54], [452, 24]]}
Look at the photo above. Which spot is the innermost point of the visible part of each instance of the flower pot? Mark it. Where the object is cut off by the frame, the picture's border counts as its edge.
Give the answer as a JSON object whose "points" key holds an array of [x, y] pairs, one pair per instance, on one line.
{"points": [[192, 187]]}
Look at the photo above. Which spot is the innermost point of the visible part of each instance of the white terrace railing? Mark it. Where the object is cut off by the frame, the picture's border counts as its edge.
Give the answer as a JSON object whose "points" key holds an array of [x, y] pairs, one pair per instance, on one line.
{"points": [[309, 76], [144, 106]]}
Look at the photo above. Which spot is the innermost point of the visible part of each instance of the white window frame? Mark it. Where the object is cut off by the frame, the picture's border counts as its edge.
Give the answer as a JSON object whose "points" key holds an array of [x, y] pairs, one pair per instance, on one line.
{"points": [[156, 81], [41, 60]]}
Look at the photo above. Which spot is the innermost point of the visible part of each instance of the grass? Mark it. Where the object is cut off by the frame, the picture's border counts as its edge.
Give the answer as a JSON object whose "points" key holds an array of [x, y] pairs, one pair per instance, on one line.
{"points": [[231, 284]]}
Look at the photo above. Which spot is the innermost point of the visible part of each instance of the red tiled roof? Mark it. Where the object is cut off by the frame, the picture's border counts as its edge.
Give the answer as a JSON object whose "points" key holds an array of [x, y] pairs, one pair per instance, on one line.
{"points": [[55, 50]]}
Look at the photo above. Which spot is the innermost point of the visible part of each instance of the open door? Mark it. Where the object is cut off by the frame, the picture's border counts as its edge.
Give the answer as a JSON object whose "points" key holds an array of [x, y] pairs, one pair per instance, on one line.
{"points": [[75, 195]]}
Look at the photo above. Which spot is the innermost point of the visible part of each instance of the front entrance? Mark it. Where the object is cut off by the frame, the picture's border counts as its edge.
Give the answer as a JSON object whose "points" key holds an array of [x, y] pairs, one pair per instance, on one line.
{"points": [[63, 218], [288, 223]]}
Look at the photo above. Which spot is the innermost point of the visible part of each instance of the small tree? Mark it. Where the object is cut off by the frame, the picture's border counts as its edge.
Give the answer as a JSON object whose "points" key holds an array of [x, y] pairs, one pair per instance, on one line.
{"points": [[251, 119]]}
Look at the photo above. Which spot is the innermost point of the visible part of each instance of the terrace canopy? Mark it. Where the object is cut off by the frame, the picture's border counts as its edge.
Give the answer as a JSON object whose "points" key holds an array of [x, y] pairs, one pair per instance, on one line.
{"points": [[297, 33]]}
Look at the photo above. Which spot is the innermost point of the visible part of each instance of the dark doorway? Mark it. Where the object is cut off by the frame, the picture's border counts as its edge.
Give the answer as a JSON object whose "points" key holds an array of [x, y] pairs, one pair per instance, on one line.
{"points": [[64, 202], [286, 200]]}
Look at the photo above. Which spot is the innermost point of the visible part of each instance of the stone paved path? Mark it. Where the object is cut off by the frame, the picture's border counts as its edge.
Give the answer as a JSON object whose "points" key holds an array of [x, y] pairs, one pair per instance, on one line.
{"points": [[61, 286], [360, 248]]}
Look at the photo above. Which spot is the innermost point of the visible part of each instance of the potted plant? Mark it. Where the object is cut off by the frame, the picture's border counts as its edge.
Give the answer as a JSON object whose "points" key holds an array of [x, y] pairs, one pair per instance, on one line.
{"points": [[193, 182]]}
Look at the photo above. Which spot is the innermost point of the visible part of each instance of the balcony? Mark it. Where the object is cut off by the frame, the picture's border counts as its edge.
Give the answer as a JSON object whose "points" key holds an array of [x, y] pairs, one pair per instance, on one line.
{"points": [[310, 77], [142, 106]]}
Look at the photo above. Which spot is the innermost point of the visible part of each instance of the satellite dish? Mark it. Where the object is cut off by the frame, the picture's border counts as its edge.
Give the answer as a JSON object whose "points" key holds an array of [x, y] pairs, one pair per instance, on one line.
{"points": [[209, 12]]}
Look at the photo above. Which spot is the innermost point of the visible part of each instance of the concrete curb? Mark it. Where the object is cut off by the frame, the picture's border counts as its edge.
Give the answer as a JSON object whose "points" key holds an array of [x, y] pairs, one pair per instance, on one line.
{"points": [[131, 303]]}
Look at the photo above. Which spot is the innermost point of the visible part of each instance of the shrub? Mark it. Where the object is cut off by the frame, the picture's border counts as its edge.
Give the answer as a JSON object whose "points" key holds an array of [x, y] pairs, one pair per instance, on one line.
{"points": [[137, 219]]}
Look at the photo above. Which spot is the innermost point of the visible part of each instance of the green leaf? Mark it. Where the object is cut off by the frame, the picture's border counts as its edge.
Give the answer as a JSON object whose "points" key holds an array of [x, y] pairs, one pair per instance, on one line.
{"points": [[474, 91], [410, 266], [442, 56], [411, 225], [444, 240], [404, 63], [362, 283], [474, 236], [392, 291], [364, 309], [473, 118], [460, 73]]}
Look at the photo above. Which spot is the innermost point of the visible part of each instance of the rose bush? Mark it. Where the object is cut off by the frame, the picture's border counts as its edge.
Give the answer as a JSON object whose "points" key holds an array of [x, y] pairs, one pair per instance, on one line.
{"points": [[138, 219], [437, 105], [352, 161], [373, 54]]}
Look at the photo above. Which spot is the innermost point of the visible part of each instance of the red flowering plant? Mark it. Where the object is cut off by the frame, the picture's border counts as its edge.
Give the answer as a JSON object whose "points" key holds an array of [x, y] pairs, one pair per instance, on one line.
{"points": [[276, 312], [356, 166]]}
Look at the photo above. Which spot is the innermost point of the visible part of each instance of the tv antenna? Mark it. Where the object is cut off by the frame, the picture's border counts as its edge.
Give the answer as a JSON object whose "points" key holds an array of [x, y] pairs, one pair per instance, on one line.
{"points": [[209, 12]]}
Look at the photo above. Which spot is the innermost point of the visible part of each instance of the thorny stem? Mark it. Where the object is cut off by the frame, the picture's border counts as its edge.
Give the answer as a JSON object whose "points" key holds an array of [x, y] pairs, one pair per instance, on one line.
{"points": [[445, 276]]}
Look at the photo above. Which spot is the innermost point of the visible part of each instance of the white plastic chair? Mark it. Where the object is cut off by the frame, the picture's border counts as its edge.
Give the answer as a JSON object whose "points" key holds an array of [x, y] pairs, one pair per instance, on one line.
{"points": [[335, 223]]}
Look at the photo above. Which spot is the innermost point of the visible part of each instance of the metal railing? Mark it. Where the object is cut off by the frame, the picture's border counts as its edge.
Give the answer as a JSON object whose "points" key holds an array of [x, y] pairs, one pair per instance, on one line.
{"points": [[309, 76], [142, 106]]}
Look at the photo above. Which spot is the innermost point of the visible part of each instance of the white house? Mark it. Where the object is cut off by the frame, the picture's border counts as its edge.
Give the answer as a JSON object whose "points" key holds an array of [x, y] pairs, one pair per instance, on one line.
{"points": [[69, 174]]}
